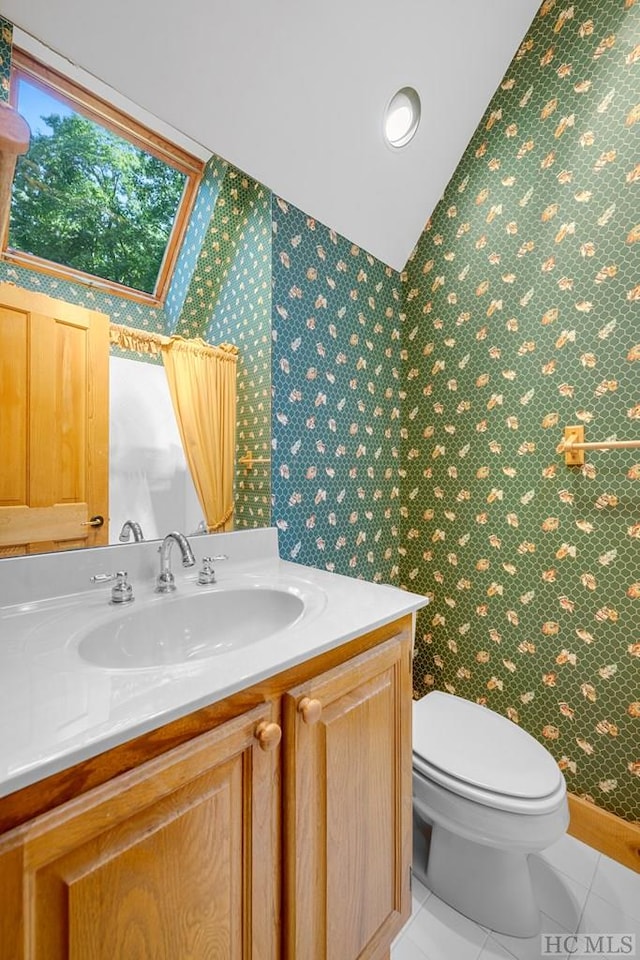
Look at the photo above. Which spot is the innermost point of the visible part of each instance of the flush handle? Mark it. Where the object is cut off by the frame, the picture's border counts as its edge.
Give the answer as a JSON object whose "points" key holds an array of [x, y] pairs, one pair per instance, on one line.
{"points": [[310, 710]]}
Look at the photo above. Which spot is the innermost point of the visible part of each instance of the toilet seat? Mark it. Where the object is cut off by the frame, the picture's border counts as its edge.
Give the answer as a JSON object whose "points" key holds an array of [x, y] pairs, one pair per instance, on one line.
{"points": [[499, 801], [482, 756]]}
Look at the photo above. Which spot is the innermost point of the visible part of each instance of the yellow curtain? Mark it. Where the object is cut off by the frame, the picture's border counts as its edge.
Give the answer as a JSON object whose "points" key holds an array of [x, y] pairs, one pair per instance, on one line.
{"points": [[139, 341], [202, 383]]}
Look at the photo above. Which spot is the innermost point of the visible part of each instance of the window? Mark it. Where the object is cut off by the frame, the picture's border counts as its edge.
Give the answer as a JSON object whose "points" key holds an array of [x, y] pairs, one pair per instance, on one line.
{"points": [[98, 198]]}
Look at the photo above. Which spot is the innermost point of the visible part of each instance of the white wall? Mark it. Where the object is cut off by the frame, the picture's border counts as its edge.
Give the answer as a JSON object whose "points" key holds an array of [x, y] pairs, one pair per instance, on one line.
{"points": [[149, 480]]}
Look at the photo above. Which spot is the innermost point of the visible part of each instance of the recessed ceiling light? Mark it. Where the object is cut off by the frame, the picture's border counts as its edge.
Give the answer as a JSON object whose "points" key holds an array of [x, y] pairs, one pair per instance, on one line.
{"points": [[402, 117]]}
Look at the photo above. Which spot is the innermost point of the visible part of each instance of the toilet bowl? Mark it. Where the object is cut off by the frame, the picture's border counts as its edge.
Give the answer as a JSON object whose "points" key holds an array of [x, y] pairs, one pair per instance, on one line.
{"points": [[491, 795]]}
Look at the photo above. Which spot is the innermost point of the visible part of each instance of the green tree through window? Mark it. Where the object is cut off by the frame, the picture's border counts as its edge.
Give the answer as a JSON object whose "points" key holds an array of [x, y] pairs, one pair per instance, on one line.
{"points": [[99, 194], [88, 199]]}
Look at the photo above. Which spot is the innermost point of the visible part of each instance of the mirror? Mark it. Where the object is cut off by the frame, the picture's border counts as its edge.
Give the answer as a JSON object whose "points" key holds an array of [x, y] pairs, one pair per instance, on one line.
{"points": [[149, 481]]}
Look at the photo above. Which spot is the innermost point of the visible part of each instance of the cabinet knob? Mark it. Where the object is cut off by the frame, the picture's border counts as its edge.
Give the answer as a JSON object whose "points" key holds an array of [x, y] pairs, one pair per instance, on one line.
{"points": [[268, 735], [309, 710]]}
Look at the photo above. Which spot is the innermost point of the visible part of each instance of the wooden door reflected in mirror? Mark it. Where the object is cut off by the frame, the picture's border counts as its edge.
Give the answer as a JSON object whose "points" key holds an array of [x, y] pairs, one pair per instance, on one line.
{"points": [[54, 423]]}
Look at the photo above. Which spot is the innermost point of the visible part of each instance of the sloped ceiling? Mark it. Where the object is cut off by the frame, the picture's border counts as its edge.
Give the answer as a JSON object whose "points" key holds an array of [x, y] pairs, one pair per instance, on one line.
{"points": [[294, 92]]}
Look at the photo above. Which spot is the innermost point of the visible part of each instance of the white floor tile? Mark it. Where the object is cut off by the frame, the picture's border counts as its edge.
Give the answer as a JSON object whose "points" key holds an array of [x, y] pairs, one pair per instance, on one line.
{"points": [[528, 948], [419, 893], [600, 916], [618, 885], [559, 896], [561, 875], [493, 951], [405, 949], [574, 858], [444, 934]]}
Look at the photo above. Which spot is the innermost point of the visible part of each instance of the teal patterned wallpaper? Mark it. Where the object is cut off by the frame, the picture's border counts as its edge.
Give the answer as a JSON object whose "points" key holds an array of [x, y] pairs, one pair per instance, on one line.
{"points": [[338, 389], [6, 39], [228, 299], [416, 418]]}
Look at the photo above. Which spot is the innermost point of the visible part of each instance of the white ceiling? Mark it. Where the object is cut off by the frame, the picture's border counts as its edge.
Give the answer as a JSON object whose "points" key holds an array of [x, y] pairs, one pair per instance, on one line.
{"points": [[294, 93]]}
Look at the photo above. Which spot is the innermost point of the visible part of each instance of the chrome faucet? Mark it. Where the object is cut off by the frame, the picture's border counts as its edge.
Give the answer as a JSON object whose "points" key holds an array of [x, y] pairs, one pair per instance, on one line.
{"points": [[166, 580], [131, 527], [121, 591]]}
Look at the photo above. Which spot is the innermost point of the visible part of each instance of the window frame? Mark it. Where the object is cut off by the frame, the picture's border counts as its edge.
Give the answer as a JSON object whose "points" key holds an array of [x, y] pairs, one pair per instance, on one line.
{"points": [[95, 108]]}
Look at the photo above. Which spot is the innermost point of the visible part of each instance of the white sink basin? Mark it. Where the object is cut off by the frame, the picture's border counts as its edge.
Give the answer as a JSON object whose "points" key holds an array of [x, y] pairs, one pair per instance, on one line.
{"points": [[183, 628]]}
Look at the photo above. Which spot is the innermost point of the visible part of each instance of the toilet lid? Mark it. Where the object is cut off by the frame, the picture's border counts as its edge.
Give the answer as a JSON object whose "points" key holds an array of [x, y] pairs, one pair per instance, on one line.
{"points": [[476, 745]]}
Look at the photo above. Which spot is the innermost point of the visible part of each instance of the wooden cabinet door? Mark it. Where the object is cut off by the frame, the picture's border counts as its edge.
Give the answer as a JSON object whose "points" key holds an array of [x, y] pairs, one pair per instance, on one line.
{"points": [[347, 817], [176, 860], [54, 423]]}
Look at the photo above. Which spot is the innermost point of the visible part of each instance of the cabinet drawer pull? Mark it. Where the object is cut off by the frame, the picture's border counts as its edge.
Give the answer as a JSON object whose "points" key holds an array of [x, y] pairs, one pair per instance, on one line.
{"points": [[310, 710], [268, 735]]}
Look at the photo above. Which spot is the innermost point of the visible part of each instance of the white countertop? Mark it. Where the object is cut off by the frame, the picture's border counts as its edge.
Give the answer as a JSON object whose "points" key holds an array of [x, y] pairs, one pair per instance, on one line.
{"points": [[56, 709]]}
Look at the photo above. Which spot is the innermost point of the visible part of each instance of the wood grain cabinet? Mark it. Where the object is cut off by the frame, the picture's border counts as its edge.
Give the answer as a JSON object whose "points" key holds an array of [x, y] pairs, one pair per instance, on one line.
{"points": [[235, 845], [347, 803], [176, 860]]}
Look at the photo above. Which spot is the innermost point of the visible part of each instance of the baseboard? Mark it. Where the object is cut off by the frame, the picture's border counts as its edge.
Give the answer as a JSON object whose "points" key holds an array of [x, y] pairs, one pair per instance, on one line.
{"points": [[604, 831]]}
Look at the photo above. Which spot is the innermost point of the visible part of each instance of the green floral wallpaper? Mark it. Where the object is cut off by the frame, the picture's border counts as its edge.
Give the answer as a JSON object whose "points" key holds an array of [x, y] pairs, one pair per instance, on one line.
{"points": [[203, 208], [6, 38], [523, 299], [229, 299], [243, 316]]}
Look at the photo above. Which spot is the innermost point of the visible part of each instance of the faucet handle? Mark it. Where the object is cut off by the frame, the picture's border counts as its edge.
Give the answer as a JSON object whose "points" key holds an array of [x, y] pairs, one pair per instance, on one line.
{"points": [[121, 591], [207, 574]]}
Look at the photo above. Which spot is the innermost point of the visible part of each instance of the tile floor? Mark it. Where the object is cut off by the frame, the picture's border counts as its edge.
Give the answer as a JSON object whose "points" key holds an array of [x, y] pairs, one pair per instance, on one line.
{"points": [[579, 891]]}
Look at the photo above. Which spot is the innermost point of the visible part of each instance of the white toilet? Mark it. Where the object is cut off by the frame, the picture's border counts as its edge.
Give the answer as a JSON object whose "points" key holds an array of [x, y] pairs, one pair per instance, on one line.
{"points": [[492, 795]]}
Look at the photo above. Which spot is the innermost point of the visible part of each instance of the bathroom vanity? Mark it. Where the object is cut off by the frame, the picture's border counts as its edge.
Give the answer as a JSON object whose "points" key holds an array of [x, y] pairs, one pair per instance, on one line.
{"points": [[267, 818]]}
